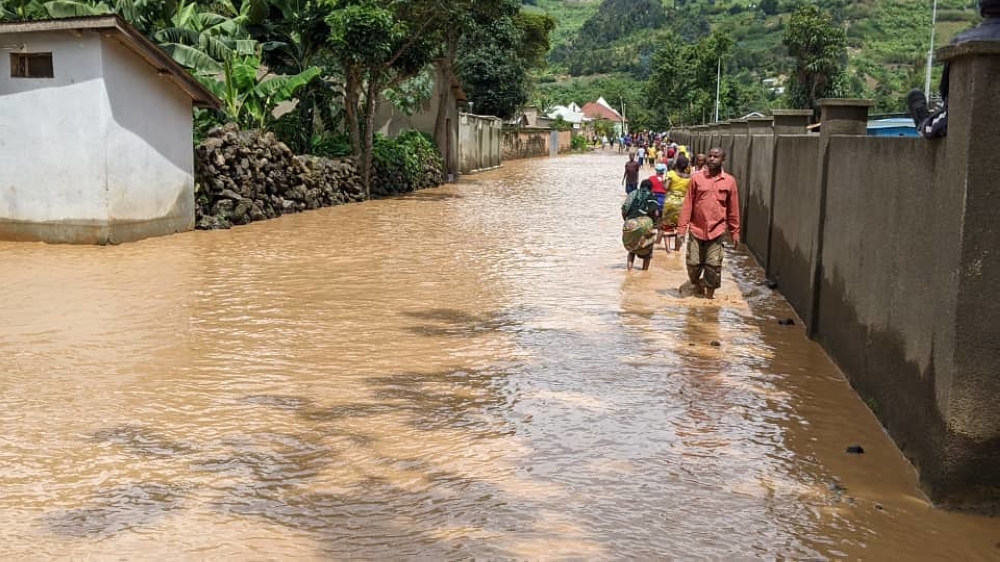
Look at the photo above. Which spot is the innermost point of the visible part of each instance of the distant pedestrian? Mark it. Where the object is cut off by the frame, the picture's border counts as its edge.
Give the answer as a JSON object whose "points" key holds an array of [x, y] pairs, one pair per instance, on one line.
{"points": [[711, 207], [631, 177], [641, 155], [659, 186], [678, 181], [699, 163]]}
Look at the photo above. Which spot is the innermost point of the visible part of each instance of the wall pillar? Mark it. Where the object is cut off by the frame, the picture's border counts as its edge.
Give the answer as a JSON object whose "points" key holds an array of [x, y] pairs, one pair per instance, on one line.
{"points": [[758, 127], [965, 471], [838, 117], [791, 121]]}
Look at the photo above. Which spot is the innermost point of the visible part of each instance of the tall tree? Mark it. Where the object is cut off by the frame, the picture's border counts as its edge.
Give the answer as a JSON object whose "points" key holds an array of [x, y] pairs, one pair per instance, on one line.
{"points": [[681, 88], [379, 44], [497, 55], [819, 47]]}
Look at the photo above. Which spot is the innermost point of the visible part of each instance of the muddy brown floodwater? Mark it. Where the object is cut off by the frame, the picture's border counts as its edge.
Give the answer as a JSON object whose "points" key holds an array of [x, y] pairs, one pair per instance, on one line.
{"points": [[466, 372]]}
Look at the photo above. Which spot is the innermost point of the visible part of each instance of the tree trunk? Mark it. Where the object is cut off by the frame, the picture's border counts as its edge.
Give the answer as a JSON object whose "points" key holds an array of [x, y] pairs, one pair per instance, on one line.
{"points": [[442, 136], [367, 154], [352, 97]]}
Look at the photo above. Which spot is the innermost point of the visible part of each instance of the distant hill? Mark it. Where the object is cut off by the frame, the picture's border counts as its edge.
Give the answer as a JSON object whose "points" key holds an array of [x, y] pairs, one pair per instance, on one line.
{"points": [[888, 39]]}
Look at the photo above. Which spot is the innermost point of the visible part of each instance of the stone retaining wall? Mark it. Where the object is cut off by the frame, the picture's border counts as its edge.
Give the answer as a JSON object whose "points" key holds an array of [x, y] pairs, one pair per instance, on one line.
{"points": [[244, 176]]}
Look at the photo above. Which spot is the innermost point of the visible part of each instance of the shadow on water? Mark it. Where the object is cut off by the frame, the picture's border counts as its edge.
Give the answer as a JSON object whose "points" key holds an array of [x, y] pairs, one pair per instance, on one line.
{"points": [[435, 196], [118, 509], [275, 476], [452, 322], [141, 441]]}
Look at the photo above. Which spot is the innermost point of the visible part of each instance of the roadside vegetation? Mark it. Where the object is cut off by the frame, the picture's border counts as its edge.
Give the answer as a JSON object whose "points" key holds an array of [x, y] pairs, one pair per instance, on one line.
{"points": [[313, 72]]}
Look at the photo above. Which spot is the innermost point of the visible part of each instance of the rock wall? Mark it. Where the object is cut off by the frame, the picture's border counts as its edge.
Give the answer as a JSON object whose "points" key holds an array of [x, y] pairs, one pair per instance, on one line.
{"points": [[243, 176]]}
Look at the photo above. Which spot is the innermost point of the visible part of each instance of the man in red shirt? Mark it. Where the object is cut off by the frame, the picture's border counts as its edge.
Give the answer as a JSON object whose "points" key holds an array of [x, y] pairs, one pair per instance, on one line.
{"points": [[710, 208]]}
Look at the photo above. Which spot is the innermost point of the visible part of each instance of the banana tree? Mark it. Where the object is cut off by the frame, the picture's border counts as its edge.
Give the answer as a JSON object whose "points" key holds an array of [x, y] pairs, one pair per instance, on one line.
{"points": [[250, 96], [201, 40]]}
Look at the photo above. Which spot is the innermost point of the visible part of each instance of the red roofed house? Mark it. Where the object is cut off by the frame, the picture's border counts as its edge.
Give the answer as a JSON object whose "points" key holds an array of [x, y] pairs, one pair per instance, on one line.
{"points": [[602, 110]]}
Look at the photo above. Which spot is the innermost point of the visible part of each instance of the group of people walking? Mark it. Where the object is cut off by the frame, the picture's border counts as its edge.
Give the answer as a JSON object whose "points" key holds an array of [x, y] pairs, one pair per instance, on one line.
{"points": [[696, 201]]}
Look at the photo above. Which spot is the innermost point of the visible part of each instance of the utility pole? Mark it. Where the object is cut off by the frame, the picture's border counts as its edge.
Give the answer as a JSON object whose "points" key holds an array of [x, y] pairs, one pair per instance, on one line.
{"points": [[624, 126], [718, 83], [930, 54]]}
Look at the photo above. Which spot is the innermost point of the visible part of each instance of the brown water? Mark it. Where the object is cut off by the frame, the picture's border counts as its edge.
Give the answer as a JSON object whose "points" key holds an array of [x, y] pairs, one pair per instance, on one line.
{"points": [[464, 372]]}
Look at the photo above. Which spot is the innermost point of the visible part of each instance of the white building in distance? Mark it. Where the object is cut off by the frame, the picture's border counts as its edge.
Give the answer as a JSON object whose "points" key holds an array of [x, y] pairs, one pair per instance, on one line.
{"points": [[96, 140]]}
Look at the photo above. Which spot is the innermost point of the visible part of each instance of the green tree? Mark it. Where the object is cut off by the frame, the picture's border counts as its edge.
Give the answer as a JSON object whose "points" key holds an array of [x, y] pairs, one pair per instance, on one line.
{"points": [[294, 36], [379, 44], [456, 20], [769, 7], [682, 86], [819, 47]]}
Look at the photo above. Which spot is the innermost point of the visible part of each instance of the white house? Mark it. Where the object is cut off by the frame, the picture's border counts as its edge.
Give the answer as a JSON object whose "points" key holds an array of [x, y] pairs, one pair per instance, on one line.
{"points": [[570, 113], [95, 133]]}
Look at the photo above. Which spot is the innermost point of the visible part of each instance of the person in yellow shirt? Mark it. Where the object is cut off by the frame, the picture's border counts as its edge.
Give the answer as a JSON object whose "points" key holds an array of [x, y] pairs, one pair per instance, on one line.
{"points": [[651, 155], [677, 181]]}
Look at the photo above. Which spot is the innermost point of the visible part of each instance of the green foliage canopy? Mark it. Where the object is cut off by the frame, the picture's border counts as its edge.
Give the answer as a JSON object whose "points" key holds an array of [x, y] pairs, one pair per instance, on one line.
{"points": [[819, 47]]}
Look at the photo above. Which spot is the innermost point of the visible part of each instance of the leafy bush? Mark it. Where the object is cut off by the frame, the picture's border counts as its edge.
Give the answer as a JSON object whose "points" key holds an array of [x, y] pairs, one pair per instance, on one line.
{"points": [[405, 163], [579, 142]]}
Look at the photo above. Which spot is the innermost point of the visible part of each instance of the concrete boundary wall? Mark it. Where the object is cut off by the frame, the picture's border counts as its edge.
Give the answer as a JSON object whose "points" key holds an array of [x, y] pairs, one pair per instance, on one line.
{"points": [[795, 213], [888, 249], [756, 191], [532, 142], [479, 141]]}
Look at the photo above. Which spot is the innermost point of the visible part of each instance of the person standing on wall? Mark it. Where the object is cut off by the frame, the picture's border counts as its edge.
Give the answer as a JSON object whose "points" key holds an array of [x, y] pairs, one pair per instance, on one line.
{"points": [[711, 207]]}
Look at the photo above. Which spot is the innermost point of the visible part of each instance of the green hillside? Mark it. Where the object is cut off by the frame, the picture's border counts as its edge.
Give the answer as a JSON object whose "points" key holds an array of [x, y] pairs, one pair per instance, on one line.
{"points": [[606, 47]]}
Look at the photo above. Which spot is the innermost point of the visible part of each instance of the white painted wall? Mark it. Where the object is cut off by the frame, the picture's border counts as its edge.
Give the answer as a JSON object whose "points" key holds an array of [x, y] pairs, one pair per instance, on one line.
{"points": [[51, 130], [105, 142], [150, 165]]}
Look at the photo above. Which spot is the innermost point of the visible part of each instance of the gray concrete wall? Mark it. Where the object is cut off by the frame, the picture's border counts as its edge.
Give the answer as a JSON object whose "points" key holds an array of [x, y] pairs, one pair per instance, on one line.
{"points": [[888, 250], [795, 214], [479, 141], [391, 121], [757, 201], [879, 292]]}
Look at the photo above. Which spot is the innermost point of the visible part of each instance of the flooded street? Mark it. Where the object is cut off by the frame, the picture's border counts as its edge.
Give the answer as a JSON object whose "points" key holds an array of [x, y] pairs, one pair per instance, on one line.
{"points": [[465, 372]]}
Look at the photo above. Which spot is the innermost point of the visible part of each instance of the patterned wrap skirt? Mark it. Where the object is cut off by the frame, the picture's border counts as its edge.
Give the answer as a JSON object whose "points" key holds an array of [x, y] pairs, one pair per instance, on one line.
{"points": [[639, 235]]}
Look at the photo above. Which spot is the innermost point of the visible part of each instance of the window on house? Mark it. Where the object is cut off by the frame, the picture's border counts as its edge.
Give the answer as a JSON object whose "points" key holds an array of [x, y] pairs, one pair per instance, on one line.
{"points": [[31, 65]]}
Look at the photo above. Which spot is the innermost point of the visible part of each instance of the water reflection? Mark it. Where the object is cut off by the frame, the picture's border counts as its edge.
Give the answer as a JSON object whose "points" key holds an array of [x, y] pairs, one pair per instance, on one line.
{"points": [[467, 372]]}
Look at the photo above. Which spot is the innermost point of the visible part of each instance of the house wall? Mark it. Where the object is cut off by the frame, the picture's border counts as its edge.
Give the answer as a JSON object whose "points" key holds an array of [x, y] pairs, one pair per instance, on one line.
{"points": [[101, 153], [52, 149], [150, 165]]}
